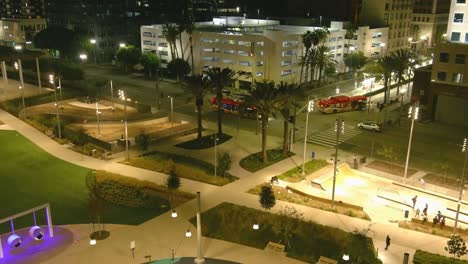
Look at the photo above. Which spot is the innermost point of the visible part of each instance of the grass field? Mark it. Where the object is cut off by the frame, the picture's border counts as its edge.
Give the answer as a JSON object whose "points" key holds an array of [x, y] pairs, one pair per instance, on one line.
{"points": [[30, 177]]}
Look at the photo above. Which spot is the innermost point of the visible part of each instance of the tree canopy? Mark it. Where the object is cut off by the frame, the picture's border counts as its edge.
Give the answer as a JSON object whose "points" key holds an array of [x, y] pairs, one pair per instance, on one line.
{"points": [[61, 39], [128, 56]]}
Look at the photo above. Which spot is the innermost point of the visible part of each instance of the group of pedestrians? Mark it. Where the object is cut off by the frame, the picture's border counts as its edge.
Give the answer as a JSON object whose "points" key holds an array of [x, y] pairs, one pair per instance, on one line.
{"points": [[438, 219]]}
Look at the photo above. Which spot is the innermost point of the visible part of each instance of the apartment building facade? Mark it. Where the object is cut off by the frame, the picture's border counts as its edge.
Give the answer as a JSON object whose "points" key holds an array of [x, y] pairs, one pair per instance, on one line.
{"points": [[258, 49], [20, 9], [394, 14], [429, 22], [20, 32]]}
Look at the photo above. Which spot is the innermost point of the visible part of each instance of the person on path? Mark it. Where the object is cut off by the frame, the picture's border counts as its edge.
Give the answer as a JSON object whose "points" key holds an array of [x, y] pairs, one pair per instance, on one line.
{"points": [[439, 215], [415, 199], [387, 242], [417, 213], [425, 209]]}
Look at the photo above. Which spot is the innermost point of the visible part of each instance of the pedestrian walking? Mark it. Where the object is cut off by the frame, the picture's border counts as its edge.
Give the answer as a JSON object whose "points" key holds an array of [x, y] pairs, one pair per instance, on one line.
{"points": [[415, 199], [387, 242], [417, 213], [439, 215], [425, 209]]}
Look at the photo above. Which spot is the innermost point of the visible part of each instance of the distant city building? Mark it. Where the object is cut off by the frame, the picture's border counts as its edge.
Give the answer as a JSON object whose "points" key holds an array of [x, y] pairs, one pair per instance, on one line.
{"points": [[20, 32], [429, 22], [444, 90], [18, 9], [394, 14], [258, 49]]}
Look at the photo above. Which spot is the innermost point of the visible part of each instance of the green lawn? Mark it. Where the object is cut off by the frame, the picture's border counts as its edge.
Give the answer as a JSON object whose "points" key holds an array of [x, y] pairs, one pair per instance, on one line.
{"points": [[295, 174], [30, 177], [308, 240], [423, 257], [254, 161], [432, 143]]}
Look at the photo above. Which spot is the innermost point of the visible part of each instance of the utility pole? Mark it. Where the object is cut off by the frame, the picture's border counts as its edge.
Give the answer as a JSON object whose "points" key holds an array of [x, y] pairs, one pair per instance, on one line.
{"points": [[462, 186], [339, 129]]}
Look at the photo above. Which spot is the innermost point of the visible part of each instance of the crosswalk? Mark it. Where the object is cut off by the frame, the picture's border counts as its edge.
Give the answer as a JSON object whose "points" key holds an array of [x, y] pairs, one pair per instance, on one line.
{"points": [[327, 137]]}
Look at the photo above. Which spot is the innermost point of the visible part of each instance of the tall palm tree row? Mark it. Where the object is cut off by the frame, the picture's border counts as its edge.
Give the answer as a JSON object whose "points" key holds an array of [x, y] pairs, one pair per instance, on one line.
{"points": [[218, 79], [403, 62], [267, 99], [307, 42], [170, 33], [314, 49], [198, 86]]}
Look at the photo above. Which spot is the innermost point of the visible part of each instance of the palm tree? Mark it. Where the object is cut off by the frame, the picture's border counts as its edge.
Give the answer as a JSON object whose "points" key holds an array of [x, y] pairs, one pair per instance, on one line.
{"points": [[267, 99], [349, 35], [307, 42], [180, 30], [324, 59], [289, 94], [189, 27], [170, 32], [311, 62], [198, 87], [218, 79], [402, 59], [382, 70]]}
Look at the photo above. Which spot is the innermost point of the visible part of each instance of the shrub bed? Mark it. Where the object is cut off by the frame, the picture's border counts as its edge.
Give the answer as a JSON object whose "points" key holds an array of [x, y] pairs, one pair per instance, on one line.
{"points": [[254, 161], [423, 257], [308, 241], [295, 174], [130, 192], [204, 142]]}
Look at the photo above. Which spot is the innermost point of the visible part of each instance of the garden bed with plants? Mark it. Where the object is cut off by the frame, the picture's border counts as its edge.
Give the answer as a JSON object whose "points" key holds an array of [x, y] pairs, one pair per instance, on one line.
{"points": [[254, 162], [185, 167], [447, 182], [305, 241], [429, 228], [204, 142], [295, 174], [283, 194], [423, 257]]}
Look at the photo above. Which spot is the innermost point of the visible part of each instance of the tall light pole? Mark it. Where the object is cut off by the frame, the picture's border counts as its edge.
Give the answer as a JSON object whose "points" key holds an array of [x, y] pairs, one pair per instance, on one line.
{"points": [[339, 129], [310, 108], [172, 110], [413, 113], [97, 117], [19, 68], [199, 259], [215, 154], [39, 84], [351, 49], [93, 42], [123, 98], [462, 185], [59, 87], [52, 82], [112, 94]]}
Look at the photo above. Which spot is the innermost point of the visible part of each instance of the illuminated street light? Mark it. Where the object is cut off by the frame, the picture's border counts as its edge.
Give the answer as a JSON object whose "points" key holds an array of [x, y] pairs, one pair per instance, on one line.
{"points": [[310, 108], [382, 45], [413, 113], [93, 42], [255, 227], [92, 242], [19, 68], [462, 184], [83, 57], [188, 233], [174, 214], [345, 257], [18, 47], [122, 45], [52, 82], [337, 90], [97, 117], [124, 99]]}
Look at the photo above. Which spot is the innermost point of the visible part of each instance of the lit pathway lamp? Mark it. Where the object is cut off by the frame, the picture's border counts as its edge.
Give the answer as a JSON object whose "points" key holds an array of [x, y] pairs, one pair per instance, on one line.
{"points": [[124, 99], [97, 117], [339, 129], [172, 110], [199, 259], [93, 42], [413, 113], [346, 257], [351, 49], [19, 68], [310, 108], [52, 82], [462, 185]]}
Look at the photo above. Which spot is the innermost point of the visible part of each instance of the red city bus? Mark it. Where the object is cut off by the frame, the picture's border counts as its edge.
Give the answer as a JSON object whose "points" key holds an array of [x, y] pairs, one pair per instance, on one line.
{"points": [[336, 104]]}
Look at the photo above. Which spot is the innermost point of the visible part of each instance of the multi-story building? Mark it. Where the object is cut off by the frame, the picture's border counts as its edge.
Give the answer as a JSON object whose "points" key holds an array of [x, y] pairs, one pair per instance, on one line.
{"points": [[17, 9], [258, 49], [445, 92], [429, 22], [394, 14], [20, 32]]}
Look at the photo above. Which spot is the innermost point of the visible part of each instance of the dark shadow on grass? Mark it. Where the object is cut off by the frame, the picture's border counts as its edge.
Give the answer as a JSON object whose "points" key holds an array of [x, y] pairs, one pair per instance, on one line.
{"points": [[204, 142], [254, 162]]}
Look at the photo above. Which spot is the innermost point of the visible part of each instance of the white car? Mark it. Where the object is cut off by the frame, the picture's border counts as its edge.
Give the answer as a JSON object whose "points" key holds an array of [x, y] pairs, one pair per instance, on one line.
{"points": [[369, 125]]}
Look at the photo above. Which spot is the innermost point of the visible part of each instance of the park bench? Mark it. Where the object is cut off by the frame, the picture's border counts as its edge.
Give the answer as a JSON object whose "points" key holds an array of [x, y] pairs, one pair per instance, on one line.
{"points": [[275, 247], [324, 260]]}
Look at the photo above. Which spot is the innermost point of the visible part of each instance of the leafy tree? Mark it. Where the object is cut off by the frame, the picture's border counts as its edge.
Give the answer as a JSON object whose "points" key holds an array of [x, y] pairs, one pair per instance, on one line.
{"points": [[179, 67], [59, 39], [224, 163], [290, 93], [218, 80], [151, 62], [288, 221], [456, 246], [180, 30], [142, 141], [349, 35], [128, 56], [267, 197], [382, 70], [173, 184], [358, 60], [267, 99], [324, 59], [198, 87]]}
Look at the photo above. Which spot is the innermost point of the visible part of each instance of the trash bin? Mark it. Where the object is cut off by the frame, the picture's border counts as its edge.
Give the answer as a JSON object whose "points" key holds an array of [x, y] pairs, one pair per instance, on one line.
{"points": [[406, 258], [363, 160]]}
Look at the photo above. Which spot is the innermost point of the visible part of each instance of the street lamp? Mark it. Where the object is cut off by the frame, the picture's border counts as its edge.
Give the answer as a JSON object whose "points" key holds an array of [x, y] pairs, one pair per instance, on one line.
{"points": [[52, 82], [122, 45], [92, 242], [351, 49], [93, 42], [462, 184], [174, 214], [337, 90], [97, 117], [172, 110], [310, 108], [19, 68], [18, 47], [339, 129], [59, 87], [345, 257], [199, 259], [255, 227], [413, 113], [83, 57], [112, 94], [382, 45], [123, 98]]}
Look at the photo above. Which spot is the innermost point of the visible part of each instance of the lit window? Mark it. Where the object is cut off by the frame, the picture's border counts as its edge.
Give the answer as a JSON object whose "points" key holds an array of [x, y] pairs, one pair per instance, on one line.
{"points": [[457, 77]]}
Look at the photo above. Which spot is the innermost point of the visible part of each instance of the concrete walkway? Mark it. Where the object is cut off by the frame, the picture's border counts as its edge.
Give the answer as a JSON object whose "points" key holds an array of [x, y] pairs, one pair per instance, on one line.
{"points": [[158, 236]]}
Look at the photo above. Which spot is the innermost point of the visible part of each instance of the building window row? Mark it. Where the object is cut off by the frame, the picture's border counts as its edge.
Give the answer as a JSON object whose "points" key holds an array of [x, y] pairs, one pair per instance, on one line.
{"points": [[445, 58]]}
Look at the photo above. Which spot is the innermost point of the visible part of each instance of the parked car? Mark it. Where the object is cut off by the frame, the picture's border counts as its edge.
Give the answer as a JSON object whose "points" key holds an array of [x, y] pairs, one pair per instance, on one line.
{"points": [[369, 125]]}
